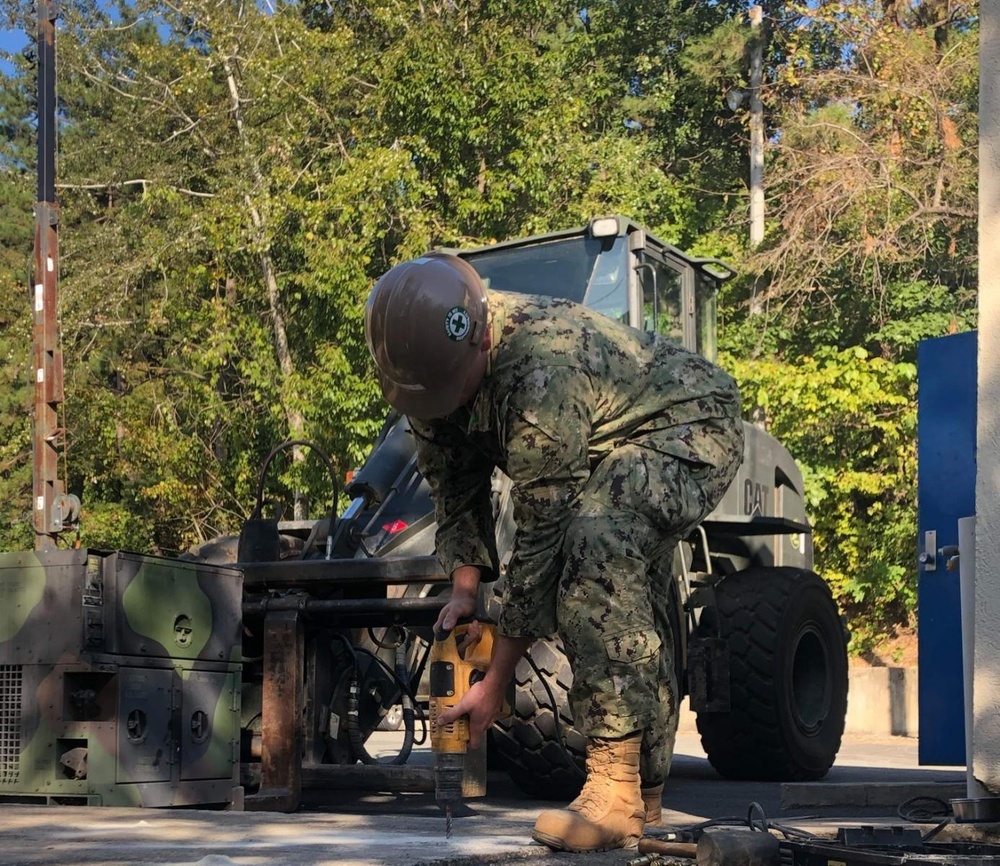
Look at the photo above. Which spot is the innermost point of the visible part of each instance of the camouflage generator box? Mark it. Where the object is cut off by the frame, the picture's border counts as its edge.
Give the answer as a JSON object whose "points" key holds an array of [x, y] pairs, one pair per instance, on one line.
{"points": [[119, 679]]}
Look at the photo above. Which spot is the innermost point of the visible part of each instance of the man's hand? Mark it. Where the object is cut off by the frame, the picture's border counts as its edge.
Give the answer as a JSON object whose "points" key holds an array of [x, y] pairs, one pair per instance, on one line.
{"points": [[464, 598], [482, 703], [456, 609]]}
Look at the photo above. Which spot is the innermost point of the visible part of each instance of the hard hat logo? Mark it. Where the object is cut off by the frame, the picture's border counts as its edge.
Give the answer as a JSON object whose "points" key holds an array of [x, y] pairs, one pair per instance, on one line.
{"points": [[457, 323]]}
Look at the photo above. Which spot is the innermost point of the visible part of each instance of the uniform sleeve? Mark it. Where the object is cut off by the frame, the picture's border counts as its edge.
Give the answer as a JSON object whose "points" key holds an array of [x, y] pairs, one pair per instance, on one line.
{"points": [[548, 424], [459, 476]]}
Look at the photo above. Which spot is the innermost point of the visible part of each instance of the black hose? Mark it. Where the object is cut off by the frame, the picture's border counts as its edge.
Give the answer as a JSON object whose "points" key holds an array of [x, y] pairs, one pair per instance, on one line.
{"points": [[418, 672], [925, 809], [404, 685], [353, 730], [352, 722], [409, 721], [292, 443], [755, 820], [381, 644], [354, 737]]}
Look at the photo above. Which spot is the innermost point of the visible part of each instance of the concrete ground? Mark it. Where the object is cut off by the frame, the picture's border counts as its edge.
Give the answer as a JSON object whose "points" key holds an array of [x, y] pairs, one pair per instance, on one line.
{"points": [[873, 775]]}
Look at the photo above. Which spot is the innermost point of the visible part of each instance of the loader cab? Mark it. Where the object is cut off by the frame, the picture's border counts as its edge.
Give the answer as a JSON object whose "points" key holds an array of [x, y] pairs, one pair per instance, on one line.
{"points": [[614, 266]]}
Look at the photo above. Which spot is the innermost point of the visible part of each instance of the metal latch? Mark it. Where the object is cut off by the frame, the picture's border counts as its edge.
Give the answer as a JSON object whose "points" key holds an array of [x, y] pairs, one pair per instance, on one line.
{"points": [[928, 557]]}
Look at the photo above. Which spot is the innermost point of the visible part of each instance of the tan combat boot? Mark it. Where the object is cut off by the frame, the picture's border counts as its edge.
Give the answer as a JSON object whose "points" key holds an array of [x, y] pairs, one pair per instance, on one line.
{"points": [[652, 799], [609, 811]]}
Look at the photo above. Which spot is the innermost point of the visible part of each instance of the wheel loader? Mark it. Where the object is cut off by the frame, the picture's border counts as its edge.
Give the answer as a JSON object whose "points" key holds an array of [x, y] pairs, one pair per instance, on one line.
{"points": [[338, 611]]}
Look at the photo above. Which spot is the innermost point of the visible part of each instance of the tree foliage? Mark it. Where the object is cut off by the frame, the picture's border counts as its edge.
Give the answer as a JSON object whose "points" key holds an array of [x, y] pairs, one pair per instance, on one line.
{"points": [[849, 420], [233, 177], [233, 180], [872, 234]]}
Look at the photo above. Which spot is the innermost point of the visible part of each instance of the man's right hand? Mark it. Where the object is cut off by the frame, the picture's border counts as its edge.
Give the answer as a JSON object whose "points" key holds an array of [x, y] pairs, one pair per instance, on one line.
{"points": [[483, 702], [456, 609], [464, 598]]}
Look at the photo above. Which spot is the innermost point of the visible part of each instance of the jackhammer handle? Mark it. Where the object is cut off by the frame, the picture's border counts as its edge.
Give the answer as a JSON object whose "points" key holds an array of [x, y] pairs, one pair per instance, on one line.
{"points": [[442, 633]]}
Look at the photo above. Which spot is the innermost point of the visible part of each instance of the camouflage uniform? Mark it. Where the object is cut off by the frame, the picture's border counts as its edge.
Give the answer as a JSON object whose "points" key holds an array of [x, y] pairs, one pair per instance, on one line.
{"points": [[618, 443]]}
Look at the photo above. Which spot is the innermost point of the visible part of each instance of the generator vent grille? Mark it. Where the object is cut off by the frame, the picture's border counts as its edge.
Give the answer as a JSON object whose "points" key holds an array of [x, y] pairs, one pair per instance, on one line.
{"points": [[10, 724]]}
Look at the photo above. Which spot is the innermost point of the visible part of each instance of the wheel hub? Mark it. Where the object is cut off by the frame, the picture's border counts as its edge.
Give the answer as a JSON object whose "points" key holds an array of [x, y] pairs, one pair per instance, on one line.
{"points": [[811, 696]]}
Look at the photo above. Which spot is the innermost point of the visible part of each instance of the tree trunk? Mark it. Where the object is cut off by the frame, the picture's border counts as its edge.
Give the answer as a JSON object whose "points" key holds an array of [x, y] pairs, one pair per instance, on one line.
{"points": [[296, 422]]}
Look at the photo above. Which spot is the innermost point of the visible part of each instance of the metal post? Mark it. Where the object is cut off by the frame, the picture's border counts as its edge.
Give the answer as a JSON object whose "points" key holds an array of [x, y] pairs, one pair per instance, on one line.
{"points": [[47, 511], [985, 756], [281, 715], [756, 14]]}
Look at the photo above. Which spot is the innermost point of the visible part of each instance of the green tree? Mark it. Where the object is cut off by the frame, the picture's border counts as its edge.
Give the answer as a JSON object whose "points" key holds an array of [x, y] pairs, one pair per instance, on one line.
{"points": [[849, 419], [873, 179], [17, 160]]}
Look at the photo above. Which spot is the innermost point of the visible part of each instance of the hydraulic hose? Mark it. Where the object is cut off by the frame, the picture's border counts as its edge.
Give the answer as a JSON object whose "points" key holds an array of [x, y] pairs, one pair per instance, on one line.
{"points": [[352, 722], [353, 729], [409, 718]]}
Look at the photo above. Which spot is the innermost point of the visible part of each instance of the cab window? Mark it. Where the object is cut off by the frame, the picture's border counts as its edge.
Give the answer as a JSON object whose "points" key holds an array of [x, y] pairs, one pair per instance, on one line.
{"points": [[661, 300], [706, 308], [608, 290]]}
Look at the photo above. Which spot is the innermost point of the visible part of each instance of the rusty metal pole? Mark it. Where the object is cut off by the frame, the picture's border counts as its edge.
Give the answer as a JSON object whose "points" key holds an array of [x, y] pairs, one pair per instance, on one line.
{"points": [[47, 501], [281, 715]]}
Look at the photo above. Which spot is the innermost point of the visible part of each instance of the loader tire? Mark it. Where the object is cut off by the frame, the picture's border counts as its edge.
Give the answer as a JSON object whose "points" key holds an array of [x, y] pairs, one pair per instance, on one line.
{"points": [[538, 745], [222, 549], [788, 676]]}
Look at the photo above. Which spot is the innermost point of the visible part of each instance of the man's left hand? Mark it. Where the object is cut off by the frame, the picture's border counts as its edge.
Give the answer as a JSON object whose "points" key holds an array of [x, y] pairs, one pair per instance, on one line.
{"points": [[483, 703]]}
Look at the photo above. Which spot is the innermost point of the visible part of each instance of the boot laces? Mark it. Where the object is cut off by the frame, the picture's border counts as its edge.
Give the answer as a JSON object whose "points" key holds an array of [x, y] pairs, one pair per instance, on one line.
{"points": [[595, 798]]}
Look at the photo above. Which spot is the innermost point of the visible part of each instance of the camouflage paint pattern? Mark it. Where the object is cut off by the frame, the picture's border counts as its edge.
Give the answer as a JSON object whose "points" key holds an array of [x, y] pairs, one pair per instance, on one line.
{"points": [[617, 443], [119, 680], [170, 609], [613, 594]]}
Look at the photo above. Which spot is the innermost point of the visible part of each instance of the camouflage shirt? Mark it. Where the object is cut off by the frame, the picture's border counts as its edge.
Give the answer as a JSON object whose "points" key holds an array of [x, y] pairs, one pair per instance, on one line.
{"points": [[564, 387]]}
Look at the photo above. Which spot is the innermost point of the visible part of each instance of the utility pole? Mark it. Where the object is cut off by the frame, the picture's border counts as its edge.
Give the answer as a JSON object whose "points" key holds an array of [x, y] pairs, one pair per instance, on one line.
{"points": [[756, 14], [52, 510], [985, 757]]}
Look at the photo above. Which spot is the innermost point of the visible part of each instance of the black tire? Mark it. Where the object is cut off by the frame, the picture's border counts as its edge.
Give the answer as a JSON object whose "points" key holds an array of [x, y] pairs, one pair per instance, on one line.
{"points": [[222, 550], [788, 676], [538, 745]]}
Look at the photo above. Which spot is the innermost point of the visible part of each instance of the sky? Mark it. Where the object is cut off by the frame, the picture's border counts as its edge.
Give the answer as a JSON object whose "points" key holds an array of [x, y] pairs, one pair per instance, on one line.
{"points": [[12, 41]]}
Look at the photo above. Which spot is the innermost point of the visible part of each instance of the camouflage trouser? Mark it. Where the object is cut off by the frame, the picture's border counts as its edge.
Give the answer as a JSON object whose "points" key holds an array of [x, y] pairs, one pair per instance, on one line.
{"points": [[613, 601]]}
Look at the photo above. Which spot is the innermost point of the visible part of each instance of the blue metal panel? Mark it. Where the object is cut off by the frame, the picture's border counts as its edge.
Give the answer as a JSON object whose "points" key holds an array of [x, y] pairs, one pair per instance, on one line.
{"points": [[946, 491]]}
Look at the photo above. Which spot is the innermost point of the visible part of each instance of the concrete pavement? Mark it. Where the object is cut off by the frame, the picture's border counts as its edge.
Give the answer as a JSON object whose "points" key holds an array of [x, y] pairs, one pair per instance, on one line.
{"points": [[354, 827]]}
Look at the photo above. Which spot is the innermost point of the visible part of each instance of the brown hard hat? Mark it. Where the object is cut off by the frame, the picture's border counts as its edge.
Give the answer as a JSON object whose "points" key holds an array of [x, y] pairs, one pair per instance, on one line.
{"points": [[425, 321]]}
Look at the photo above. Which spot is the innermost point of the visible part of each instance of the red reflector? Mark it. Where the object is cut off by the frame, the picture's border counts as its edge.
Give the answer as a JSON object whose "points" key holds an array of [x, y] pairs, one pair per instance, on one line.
{"points": [[394, 527]]}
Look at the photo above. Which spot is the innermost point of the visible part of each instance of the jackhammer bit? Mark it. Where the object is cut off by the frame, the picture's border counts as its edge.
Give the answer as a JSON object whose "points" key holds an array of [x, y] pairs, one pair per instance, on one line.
{"points": [[455, 665]]}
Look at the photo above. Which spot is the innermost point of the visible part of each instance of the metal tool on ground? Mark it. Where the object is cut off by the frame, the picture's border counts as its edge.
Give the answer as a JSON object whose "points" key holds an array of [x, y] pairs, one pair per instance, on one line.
{"points": [[668, 849], [752, 842], [887, 846], [738, 848], [653, 859], [719, 847], [458, 660]]}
